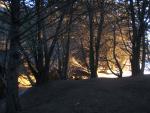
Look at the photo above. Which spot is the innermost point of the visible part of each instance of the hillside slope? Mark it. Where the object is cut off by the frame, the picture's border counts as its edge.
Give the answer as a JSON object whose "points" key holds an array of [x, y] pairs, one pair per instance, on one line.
{"points": [[125, 95]]}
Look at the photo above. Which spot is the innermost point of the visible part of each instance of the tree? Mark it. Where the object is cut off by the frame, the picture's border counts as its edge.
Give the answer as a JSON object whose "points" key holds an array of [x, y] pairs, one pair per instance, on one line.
{"points": [[67, 44], [48, 28], [95, 39], [138, 13], [12, 99]]}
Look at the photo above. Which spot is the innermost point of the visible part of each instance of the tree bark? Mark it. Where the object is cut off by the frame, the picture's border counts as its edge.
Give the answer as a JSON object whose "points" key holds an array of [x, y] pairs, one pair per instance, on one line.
{"points": [[12, 100], [99, 34], [93, 73], [138, 28], [67, 46]]}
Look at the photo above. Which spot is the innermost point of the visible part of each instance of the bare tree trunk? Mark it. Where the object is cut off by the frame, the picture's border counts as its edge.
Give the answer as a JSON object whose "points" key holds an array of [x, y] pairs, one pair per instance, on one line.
{"points": [[67, 46], [84, 55], [41, 77], [114, 53], [143, 55], [135, 54], [91, 54], [99, 34], [138, 33], [66, 58], [12, 99]]}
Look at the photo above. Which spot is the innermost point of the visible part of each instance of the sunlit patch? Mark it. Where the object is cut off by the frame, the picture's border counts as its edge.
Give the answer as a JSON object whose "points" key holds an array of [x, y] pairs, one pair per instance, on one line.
{"points": [[24, 81], [110, 75], [84, 77], [104, 75], [101, 73], [3, 5], [75, 63], [78, 72]]}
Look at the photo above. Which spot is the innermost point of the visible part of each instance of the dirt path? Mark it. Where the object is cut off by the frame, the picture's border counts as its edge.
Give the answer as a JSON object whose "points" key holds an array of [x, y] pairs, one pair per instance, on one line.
{"points": [[90, 96]]}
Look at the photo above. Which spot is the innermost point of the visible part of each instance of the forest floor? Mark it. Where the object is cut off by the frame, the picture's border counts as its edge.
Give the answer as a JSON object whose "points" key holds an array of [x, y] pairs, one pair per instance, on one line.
{"points": [[127, 95]]}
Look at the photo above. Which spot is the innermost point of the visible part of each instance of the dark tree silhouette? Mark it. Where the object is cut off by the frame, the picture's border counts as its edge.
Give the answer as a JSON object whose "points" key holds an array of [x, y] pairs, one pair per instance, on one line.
{"points": [[138, 13], [12, 99]]}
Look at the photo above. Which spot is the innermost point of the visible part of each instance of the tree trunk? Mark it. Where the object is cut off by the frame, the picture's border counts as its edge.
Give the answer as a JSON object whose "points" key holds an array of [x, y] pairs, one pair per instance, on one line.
{"points": [[99, 34], [91, 54], [12, 100], [143, 55], [67, 46], [138, 33], [114, 54]]}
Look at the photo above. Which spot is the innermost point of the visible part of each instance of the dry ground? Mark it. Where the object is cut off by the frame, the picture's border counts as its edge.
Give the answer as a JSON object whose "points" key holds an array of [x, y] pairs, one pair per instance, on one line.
{"points": [[127, 95]]}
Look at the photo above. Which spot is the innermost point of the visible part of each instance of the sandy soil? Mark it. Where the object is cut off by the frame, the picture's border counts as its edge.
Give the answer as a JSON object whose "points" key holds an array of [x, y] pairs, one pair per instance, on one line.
{"points": [[127, 95]]}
